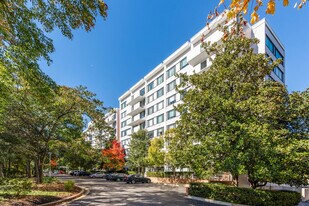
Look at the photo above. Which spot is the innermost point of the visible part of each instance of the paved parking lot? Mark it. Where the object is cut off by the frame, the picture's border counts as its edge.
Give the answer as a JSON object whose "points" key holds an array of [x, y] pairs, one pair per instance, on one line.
{"points": [[102, 192]]}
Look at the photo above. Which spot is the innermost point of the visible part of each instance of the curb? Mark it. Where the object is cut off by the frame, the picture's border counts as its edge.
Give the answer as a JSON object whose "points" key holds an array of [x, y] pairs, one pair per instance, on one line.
{"points": [[213, 201], [84, 191]]}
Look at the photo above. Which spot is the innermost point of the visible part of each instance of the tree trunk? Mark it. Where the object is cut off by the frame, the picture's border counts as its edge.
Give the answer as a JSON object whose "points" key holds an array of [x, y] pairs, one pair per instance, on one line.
{"points": [[39, 171], [1, 169], [28, 168]]}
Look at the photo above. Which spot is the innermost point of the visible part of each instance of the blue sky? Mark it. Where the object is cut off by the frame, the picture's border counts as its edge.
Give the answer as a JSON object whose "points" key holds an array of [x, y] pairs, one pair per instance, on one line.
{"points": [[139, 34]]}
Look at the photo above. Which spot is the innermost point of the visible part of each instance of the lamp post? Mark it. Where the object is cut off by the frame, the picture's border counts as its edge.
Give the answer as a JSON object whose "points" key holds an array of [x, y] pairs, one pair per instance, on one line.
{"points": [[49, 163]]}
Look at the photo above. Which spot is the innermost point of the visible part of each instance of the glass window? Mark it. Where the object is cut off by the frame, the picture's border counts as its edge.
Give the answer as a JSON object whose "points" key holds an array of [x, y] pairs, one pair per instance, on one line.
{"points": [[123, 105], [123, 114], [171, 126], [160, 105], [150, 122], [160, 92], [150, 110], [142, 92], [160, 79], [124, 123], [160, 131], [183, 63], [160, 118], [171, 100], [142, 126], [278, 73], [203, 64], [150, 98], [270, 45], [142, 114], [150, 86], [171, 114], [171, 72], [171, 86], [151, 134]]}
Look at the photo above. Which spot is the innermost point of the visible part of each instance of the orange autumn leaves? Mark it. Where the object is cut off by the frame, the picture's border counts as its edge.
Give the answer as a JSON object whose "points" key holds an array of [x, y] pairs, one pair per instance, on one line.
{"points": [[238, 6], [114, 157]]}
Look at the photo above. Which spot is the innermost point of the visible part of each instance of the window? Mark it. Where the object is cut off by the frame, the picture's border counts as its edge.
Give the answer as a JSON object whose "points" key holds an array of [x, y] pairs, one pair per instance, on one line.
{"points": [[160, 118], [160, 131], [123, 105], [150, 122], [171, 86], [142, 126], [124, 133], [124, 123], [204, 64], [171, 114], [123, 114], [160, 92], [170, 72], [160, 79], [142, 92], [142, 115], [171, 126], [171, 100], [150, 86], [150, 110], [142, 103], [183, 63], [150, 134], [160, 105], [270, 45], [278, 73], [150, 98]]}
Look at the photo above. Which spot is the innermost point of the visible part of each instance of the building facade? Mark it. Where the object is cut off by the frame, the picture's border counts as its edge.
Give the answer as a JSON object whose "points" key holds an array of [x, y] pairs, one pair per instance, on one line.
{"points": [[97, 137], [149, 104]]}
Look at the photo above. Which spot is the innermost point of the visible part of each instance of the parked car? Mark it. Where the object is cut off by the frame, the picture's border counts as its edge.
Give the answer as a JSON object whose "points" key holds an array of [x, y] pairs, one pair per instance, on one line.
{"points": [[137, 178], [83, 173], [74, 172], [117, 177], [98, 175]]}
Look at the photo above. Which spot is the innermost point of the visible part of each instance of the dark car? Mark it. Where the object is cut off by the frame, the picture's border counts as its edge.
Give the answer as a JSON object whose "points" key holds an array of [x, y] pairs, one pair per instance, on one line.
{"points": [[138, 178], [117, 177], [83, 173]]}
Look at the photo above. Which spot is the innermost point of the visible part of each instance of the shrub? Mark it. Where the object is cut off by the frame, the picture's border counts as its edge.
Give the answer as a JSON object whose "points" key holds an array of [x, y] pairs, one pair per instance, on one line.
{"points": [[69, 185], [50, 180], [131, 172], [246, 196], [170, 174], [155, 174], [17, 186]]}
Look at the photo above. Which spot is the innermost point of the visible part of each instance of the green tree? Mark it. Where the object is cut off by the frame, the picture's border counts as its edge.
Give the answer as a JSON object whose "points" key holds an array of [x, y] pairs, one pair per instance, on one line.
{"points": [[156, 153], [138, 151], [24, 25], [232, 119]]}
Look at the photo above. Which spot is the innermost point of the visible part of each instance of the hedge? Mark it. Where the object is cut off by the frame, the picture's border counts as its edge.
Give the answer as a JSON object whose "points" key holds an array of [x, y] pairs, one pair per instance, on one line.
{"points": [[169, 174], [245, 196]]}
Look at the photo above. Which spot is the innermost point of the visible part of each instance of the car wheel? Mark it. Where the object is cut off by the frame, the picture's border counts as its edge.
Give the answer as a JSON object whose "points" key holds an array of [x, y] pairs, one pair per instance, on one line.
{"points": [[133, 181], [148, 181], [118, 179]]}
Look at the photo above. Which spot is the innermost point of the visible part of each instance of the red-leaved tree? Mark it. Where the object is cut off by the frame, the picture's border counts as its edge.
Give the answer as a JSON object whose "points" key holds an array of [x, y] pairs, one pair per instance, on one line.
{"points": [[113, 157]]}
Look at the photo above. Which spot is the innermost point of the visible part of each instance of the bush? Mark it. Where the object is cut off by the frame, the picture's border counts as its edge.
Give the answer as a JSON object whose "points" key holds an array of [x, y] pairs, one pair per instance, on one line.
{"points": [[170, 174], [131, 172], [49, 180], [69, 185], [246, 196], [17, 186]]}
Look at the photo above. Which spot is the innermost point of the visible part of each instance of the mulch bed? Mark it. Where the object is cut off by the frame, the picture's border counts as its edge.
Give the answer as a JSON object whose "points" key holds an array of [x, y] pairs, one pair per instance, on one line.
{"points": [[31, 200]]}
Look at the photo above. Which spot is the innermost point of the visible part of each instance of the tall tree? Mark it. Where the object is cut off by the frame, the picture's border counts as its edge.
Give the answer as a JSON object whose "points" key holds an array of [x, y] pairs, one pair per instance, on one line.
{"points": [[156, 153], [113, 157], [233, 119], [138, 150]]}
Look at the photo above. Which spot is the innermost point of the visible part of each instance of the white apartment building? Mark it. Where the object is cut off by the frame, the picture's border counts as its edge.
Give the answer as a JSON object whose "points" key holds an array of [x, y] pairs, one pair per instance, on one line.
{"points": [[96, 137], [149, 104]]}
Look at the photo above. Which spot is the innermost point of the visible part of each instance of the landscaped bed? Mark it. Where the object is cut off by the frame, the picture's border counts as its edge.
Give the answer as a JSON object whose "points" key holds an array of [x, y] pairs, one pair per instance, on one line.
{"points": [[24, 192], [245, 196]]}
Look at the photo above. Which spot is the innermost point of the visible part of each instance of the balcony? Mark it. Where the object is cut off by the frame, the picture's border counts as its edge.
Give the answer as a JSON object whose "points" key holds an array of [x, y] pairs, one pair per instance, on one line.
{"points": [[111, 119], [136, 110], [197, 55], [137, 121], [136, 98]]}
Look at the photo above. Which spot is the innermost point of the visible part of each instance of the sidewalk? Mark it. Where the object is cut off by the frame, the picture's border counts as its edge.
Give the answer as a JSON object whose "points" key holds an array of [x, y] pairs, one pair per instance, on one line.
{"points": [[303, 204]]}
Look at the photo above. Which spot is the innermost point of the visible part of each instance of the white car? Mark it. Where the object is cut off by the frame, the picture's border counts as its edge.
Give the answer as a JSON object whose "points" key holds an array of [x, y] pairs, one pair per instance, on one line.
{"points": [[97, 175]]}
